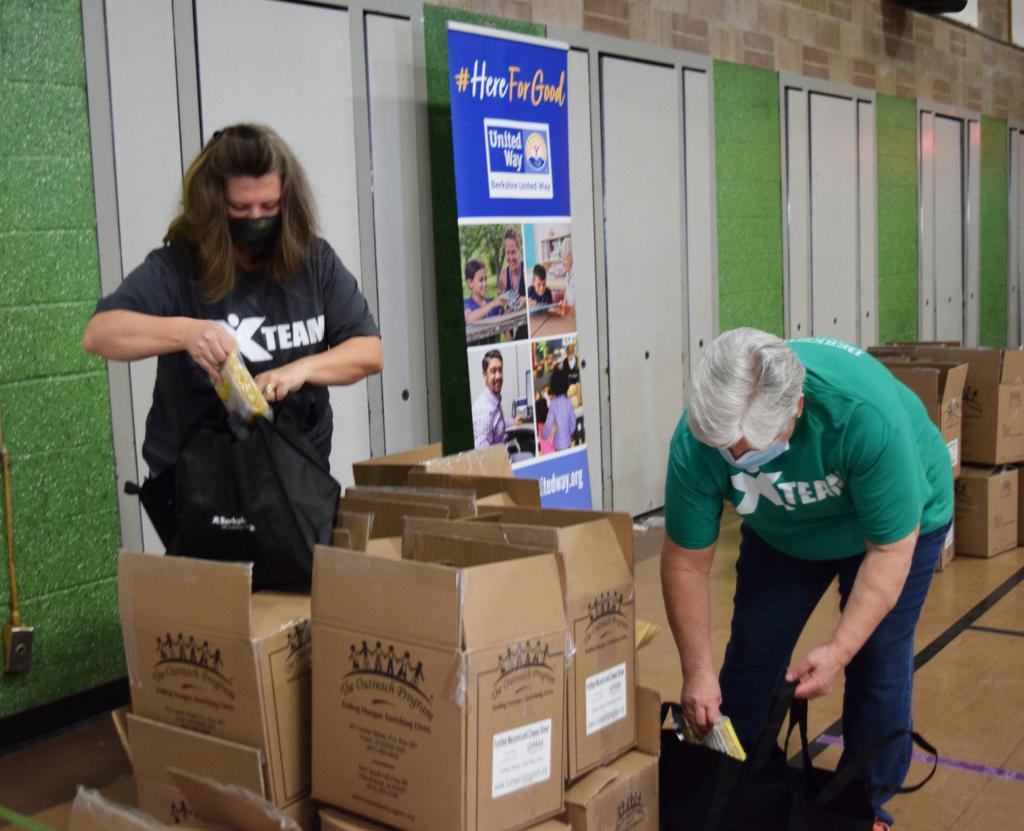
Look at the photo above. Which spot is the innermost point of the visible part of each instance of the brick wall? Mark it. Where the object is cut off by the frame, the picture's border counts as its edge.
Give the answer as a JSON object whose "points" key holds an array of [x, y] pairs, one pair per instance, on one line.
{"points": [[53, 397], [869, 43]]}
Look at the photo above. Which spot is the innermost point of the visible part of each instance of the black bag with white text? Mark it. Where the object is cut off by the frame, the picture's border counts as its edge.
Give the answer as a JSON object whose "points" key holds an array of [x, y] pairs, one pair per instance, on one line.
{"points": [[256, 493]]}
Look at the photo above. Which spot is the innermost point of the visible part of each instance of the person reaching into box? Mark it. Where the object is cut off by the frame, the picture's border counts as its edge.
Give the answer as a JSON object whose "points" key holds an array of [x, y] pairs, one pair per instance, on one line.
{"points": [[836, 470]]}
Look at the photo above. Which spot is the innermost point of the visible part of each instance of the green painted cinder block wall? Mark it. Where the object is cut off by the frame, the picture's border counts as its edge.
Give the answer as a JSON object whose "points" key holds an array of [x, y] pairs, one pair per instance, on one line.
{"points": [[54, 399], [994, 230], [896, 136], [749, 182]]}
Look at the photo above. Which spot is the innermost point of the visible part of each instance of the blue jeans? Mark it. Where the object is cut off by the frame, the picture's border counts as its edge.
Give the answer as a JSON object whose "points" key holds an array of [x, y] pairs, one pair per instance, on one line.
{"points": [[775, 595]]}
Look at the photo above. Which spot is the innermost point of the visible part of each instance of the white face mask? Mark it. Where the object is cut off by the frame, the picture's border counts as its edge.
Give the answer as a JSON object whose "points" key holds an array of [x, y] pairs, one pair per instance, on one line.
{"points": [[754, 459]]}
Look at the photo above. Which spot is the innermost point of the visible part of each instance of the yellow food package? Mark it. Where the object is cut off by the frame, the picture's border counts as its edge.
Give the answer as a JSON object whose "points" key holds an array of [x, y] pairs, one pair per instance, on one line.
{"points": [[239, 392]]}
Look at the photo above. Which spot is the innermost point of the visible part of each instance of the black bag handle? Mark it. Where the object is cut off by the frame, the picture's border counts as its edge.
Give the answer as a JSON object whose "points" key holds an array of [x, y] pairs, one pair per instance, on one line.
{"points": [[856, 767], [768, 740]]}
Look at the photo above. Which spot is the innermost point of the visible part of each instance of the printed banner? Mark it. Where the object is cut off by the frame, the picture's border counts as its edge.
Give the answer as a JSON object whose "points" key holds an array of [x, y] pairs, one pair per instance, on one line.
{"points": [[509, 97]]}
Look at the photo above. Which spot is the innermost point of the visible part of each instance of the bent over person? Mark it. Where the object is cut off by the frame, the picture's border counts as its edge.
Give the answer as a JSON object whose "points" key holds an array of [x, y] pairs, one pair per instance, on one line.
{"points": [[836, 471], [241, 267]]}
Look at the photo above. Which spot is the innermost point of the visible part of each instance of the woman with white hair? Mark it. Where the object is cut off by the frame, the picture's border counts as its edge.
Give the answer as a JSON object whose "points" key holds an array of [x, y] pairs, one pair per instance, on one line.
{"points": [[836, 470]]}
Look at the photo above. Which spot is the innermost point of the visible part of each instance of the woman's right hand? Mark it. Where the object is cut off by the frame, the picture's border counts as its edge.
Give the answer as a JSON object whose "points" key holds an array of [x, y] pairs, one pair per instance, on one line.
{"points": [[209, 344], [701, 697]]}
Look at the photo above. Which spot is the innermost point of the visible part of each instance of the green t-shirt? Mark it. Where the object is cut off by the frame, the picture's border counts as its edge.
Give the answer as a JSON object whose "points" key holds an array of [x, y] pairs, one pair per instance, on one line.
{"points": [[864, 463]]}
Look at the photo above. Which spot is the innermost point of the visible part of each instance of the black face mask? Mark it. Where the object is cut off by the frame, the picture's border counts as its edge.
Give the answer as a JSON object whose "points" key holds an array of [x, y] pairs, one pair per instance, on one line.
{"points": [[254, 236]]}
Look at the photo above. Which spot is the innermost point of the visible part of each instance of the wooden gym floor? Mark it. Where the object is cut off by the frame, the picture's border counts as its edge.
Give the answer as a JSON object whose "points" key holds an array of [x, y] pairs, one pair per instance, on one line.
{"points": [[968, 699]]}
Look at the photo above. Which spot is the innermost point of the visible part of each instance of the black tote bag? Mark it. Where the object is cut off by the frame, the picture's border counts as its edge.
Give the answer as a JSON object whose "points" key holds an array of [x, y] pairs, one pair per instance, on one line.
{"points": [[704, 790], [256, 493]]}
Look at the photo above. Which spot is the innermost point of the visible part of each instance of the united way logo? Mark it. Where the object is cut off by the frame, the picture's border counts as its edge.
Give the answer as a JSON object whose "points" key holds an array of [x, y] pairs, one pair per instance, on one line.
{"points": [[518, 159], [536, 152]]}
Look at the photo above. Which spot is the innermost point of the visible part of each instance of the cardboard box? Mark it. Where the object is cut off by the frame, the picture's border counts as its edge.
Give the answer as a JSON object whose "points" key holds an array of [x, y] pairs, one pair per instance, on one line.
{"points": [[948, 549], [205, 654], [1020, 507], [940, 386], [623, 794], [394, 468], [357, 528], [621, 523], [648, 721], [489, 490], [460, 503], [993, 415], [599, 606], [388, 515], [440, 689], [986, 511], [216, 807]]}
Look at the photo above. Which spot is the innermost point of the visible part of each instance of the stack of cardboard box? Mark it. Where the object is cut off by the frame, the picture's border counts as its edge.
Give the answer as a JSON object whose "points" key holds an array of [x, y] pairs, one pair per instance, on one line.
{"points": [[220, 682], [992, 441], [484, 675], [467, 661]]}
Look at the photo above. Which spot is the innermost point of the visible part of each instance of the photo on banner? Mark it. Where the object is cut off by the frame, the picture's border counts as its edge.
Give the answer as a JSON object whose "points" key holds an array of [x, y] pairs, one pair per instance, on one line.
{"points": [[509, 97]]}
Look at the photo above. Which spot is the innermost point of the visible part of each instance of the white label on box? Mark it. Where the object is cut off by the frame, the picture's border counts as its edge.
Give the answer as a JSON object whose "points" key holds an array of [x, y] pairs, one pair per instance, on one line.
{"points": [[606, 698], [520, 758], [954, 451], [949, 537]]}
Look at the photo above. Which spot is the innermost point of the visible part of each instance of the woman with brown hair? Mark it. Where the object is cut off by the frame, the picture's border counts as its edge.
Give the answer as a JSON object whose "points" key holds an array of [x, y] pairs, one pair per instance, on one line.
{"points": [[241, 267]]}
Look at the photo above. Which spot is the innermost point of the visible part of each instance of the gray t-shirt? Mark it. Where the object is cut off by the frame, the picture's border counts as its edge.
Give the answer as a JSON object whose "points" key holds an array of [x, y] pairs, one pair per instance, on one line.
{"points": [[319, 308]]}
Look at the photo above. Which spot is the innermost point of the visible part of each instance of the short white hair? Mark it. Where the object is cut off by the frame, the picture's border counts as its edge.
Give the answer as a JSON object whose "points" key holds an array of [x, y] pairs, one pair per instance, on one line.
{"points": [[747, 387]]}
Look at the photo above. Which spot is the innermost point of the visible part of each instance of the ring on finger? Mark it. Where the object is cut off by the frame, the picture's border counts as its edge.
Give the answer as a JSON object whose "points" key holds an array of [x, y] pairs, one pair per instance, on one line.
{"points": [[268, 389]]}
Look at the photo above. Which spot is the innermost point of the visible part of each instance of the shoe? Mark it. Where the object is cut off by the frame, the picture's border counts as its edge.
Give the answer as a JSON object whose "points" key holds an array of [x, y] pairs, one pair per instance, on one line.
{"points": [[881, 826]]}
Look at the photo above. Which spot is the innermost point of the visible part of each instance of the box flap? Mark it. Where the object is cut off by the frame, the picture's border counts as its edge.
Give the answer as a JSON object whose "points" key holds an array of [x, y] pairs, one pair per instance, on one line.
{"points": [[389, 547], [584, 791], [93, 812], [985, 364], [350, 588], [340, 538], [157, 747], [622, 523], [956, 378], [1013, 366], [359, 527], [511, 599], [594, 560], [213, 596], [550, 825], [924, 381], [120, 719], [230, 805], [486, 461], [525, 492], [648, 720], [393, 468], [977, 472], [387, 515], [334, 820], [273, 611], [492, 532]]}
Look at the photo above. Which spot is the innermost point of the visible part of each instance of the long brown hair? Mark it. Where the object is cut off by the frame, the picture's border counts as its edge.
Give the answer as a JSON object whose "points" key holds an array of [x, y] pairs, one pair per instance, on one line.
{"points": [[202, 226]]}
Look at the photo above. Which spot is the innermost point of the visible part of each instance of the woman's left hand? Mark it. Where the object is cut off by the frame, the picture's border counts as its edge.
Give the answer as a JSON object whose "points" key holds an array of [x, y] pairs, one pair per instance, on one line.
{"points": [[817, 671], [277, 384]]}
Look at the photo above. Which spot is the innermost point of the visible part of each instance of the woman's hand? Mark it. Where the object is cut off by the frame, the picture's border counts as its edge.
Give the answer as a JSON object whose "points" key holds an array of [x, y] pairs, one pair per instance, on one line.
{"points": [[209, 344], [701, 697], [277, 384]]}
